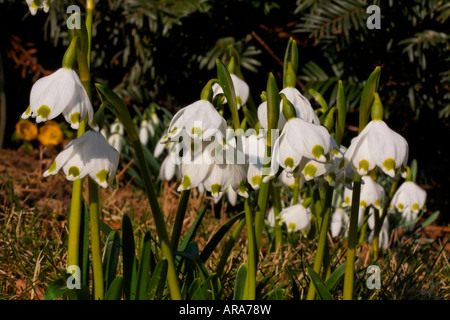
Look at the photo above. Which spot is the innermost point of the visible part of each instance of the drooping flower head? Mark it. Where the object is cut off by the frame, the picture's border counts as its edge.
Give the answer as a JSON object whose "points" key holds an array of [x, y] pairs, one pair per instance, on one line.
{"points": [[296, 218], [241, 90], [34, 5], [60, 93], [90, 155], [409, 195], [378, 145]]}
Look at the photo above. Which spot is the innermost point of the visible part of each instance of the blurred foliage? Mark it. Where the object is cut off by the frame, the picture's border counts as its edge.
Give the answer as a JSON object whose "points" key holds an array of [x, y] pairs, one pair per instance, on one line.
{"points": [[412, 47]]}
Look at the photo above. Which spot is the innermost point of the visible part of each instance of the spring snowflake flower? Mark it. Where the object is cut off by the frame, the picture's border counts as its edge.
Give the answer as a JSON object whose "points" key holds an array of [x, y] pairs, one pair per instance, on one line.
{"points": [[90, 155], [378, 145], [146, 131], [241, 90], [302, 106], [116, 138], [339, 222], [299, 142], [34, 5], [409, 195], [296, 218], [170, 167], [60, 93], [199, 119], [383, 240]]}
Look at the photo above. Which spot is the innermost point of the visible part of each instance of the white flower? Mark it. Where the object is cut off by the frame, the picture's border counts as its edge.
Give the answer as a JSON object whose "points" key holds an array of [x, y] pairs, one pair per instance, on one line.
{"points": [[409, 195], [302, 106], [116, 139], [60, 93], [90, 155], [241, 90], [146, 131], [254, 149], [169, 169], [296, 218], [339, 222], [299, 142], [378, 145], [199, 119], [34, 5], [383, 240], [408, 216], [371, 193]]}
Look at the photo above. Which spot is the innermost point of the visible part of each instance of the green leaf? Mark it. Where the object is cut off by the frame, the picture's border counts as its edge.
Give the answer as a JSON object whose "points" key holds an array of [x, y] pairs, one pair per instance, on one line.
{"points": [[144, 267], [319, 98], [335, 277], [84, 245], [111, 257], [228, 89], [56, 289], [321, 288], [367, 97], [218, 236], [129, 258], [290, 56], [158, 280], [115, 290], [341, 107], [431, 219], [239, 285], [193, 229]]}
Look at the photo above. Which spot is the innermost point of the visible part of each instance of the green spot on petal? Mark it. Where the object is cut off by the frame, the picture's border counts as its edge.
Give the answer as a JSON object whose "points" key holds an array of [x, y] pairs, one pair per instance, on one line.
{"points": [[74, 171], [389, 164], [377, 203], [400, 206], [289, 162], [43, 111], [331, 177], [197, 130], [52, 167], [256, 180], [103, 175], [317, 151], [347, 200], [415, 206], [364, 165], [310, 170], [174, 130], [291, 226], [186, 182], [27, 112], [215, 188], [362, 203], [75, 117]]}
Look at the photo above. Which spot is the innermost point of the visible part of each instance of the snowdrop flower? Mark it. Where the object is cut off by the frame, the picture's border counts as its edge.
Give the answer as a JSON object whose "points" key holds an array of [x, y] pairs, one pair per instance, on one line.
{"points": [[378, 145], [90, 155], [383, 240], [116, 137], [339, 222], [170, 167], [299, 142], [34, 5], [296, 218], [146, 132], [241, 90], [302, 106], [231, 197], [409, 195], [254, 149], [60, 93], [199, 119]]}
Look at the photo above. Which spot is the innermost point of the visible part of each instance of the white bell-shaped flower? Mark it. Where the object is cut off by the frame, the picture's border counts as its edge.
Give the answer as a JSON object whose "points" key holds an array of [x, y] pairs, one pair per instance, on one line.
{"points": [[60, 93], [302, 106], [90, 155], [298, 143], [146, 131], [296, 218], [241, 90], [339, 222], [409, 195], [199, 119], [34, 5], [383, 239], [372, 193], [378, 145]]}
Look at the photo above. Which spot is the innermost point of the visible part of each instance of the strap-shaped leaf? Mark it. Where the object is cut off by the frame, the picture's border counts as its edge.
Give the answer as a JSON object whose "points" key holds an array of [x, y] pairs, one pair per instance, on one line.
{"points": [[129, 258], [320, 286], [115, 290], [239, 285]]}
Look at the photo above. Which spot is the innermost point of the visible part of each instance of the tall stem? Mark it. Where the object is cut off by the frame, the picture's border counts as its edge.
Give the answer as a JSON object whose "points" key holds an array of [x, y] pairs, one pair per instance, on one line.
{"points": [[322, 246], [94, 214], [352, 240], [250, 289], [179, 218]]}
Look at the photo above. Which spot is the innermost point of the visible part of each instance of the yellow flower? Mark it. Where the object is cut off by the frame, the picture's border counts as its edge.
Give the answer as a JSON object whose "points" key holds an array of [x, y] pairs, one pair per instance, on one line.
{"points": [[26, 130], [50, 134]]}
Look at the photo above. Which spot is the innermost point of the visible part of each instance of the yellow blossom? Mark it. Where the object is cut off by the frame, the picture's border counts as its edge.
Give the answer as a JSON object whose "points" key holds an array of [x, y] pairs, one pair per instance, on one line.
{"points": [[26, 130], [50, 134]]}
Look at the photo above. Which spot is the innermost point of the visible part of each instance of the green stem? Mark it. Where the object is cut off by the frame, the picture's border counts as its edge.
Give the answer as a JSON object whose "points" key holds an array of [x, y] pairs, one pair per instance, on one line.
{"points": [[322, 246], [158, 217], [261, 212], [74, 224], [250, 288], [179, 218], [276, 211], [94, 214], [352, 240], [296, 190]]}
